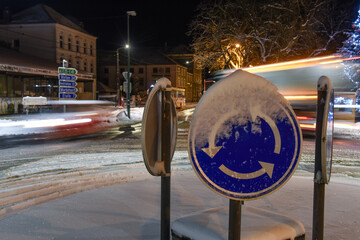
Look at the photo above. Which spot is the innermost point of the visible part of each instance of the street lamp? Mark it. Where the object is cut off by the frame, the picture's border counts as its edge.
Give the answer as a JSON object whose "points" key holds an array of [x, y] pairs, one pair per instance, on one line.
{"points": [[129, 13], [117, 78]]}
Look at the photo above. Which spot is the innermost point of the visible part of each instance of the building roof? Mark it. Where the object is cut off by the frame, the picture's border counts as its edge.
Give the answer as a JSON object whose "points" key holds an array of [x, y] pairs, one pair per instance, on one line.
{"points": [[41, 13]]}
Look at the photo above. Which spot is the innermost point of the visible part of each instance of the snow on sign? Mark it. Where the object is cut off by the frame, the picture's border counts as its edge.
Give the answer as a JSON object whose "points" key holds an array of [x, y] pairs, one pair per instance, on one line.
{"points": [[244, 139]]}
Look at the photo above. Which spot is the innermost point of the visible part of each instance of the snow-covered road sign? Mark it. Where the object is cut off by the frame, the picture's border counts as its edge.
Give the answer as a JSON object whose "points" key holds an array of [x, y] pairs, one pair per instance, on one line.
{"points": [[159, 129], [244, 140]]}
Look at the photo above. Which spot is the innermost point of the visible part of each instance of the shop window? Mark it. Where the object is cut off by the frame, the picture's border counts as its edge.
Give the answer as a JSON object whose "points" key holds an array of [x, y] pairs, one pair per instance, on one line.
{"points": [[2, 85]]}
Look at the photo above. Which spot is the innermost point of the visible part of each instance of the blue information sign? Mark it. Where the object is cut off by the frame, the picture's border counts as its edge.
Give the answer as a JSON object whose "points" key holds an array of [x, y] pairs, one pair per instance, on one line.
{"points": [[68, 89], [67, 77], [244, 139], [67, 83], [67, 95]]}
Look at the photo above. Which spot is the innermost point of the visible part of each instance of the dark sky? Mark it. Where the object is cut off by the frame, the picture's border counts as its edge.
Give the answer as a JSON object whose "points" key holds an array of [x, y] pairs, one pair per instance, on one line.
{"points": [[157, 21]]}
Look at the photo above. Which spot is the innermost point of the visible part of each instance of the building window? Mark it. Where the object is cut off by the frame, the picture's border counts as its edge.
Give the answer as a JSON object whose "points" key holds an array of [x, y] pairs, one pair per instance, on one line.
{"points": [[106, 70], [167, 70], [88, 86], [70, 62], [155, 70], [161, 70], [61, 42], [85, 49], [85, 66], [141, 80], [77, 64], [91, 50], [16, 44], [141, 70], [69, 44], [91, 67], [77, 46], [122, 70], [132, 70]]}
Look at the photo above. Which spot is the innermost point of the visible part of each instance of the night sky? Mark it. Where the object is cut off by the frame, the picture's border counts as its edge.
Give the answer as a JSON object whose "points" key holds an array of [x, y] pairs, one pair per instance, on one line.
{"points": [[157, 21]]}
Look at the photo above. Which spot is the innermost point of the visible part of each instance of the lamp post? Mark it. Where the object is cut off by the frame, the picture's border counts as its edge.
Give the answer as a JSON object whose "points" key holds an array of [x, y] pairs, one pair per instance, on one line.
{"points": [[117, 78], [129, 13]]}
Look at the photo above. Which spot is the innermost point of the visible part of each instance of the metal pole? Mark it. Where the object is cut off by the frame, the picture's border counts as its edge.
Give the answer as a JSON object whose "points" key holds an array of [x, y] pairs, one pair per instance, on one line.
{"points": [[117, 78], [165, 158], [318, 211], [319, 185], [235, 219], [128, 72], [165, 207]]}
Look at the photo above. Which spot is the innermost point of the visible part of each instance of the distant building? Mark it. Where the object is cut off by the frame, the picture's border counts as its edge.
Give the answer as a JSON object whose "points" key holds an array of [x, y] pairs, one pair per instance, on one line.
{"points": [[43, 33], [147, 65]]}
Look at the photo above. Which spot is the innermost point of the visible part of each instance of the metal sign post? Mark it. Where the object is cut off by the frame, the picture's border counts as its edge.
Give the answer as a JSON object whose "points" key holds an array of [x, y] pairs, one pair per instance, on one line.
{"points": [[159, 130], [235, 219], [323, 152], [165, 158], [247, 148]]}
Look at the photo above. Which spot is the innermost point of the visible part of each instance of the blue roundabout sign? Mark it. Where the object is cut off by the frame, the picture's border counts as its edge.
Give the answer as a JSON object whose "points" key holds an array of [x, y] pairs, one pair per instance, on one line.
{"points": [[244, 139]]}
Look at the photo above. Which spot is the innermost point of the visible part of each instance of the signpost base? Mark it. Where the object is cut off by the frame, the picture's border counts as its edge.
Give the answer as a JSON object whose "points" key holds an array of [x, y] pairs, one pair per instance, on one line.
{"points": [[165, 207], [235, 219]]}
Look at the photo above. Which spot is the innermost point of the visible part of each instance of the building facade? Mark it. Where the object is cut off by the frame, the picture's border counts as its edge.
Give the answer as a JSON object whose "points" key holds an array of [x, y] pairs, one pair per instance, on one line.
{"points": [[149, 65], [45, 34]]}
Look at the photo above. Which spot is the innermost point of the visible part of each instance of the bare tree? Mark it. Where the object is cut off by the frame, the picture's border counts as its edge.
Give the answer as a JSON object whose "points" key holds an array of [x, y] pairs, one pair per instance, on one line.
{"points": [[239, 33]]}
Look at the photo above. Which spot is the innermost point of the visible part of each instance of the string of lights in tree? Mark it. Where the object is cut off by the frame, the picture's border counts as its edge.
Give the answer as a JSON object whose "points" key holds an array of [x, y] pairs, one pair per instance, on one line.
{"points": [[351, 48]]}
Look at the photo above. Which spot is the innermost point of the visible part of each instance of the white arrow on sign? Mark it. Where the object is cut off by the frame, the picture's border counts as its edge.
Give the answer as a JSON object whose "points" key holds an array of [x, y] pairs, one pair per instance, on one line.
{"points": [[266, 168], [212, 150]]}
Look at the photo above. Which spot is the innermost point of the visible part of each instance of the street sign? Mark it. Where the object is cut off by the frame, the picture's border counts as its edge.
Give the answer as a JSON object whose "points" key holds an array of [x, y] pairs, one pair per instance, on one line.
{"points": [[244, 139], [67, 77], [63, 70], [34, 101], [152, 130], [67, 95], [324, 129], [323, 152], [68, 89], [67, 83], [125, 87], [158, 140], [125, 75]]}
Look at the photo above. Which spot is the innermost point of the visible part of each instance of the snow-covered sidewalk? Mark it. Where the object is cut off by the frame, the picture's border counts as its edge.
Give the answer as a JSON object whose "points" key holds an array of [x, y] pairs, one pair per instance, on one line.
{"points": [[132, 210]]}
